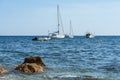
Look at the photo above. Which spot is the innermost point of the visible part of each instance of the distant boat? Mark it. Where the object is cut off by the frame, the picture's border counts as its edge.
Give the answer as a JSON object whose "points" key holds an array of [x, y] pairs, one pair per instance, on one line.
{"points": [[70, 35], [89, 35], [41, 39], [57, 34]]}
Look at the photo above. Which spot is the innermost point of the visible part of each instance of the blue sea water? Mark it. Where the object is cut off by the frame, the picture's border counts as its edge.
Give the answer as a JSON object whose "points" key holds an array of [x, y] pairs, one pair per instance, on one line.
{"points": [[64, 58]]}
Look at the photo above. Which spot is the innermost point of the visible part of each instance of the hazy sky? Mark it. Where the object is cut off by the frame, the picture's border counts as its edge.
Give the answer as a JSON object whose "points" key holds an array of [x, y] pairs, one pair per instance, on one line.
{"points": [[36, 17]]}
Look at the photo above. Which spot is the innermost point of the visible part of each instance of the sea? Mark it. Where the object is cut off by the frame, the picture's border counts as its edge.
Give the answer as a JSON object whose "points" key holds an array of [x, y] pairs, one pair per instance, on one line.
{"points": [[65, 59]]}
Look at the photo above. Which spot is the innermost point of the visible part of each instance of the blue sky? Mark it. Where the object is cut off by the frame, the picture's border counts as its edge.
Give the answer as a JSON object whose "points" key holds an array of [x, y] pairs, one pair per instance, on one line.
{"points": [[36, 17]]}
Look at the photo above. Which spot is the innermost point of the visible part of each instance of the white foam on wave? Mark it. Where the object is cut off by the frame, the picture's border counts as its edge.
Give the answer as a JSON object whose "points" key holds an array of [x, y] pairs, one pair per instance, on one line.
{"points": [[68, 76], [2, 77]]}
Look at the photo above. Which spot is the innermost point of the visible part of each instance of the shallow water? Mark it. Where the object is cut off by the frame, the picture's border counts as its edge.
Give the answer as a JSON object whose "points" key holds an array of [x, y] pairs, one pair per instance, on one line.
{"points": [[69, 58]]}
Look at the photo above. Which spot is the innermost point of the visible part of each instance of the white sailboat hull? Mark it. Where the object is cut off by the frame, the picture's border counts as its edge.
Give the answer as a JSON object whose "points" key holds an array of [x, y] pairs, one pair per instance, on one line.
{"points": [[58, 36]]}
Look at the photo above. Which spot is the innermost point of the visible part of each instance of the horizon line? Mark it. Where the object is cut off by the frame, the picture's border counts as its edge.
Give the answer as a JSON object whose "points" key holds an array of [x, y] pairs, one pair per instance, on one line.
{"points": [[47, 35]]}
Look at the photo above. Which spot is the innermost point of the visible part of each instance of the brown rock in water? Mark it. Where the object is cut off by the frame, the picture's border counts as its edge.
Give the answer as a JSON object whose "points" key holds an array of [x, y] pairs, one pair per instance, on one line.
{"points": [[2, 70], [31, 65], [36, 60]]}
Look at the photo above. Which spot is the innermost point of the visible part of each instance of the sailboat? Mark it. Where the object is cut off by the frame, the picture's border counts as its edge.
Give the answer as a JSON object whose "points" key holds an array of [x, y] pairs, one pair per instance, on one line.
{"points": [[57, 34], [70, 35]]}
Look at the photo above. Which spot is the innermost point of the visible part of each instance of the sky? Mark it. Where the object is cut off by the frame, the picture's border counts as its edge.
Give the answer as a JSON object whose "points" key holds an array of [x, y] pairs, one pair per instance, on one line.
{"points": [[37, 17]]}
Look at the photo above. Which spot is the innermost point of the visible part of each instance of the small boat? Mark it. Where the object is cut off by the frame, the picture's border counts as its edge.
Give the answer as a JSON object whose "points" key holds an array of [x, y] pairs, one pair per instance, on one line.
{"points": [[41, 39], [89, 35], [57, 34]]}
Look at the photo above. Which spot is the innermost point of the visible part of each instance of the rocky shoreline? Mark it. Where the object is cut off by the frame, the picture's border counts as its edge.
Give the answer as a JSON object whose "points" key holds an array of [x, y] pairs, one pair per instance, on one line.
{"points": [[35, 64]]}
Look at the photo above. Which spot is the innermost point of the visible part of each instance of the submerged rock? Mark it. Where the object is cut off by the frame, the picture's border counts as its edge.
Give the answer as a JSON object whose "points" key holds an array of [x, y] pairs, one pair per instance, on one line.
{"points": [[31, 65], [2, 70]]}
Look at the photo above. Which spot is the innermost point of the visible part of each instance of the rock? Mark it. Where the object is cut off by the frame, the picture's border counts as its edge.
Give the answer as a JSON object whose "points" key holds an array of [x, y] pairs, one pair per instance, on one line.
{"points": [[36, 60], [31, 65], [30, 68], [2, 70]]}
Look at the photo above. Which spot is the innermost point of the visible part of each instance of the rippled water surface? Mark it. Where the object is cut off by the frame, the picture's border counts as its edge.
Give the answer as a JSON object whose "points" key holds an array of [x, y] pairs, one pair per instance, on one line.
{"points": [[66, 59]]}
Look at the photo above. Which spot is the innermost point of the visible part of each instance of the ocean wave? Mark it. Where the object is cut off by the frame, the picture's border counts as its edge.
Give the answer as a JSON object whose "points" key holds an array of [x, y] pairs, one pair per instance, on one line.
{"points": [[77, 77]]}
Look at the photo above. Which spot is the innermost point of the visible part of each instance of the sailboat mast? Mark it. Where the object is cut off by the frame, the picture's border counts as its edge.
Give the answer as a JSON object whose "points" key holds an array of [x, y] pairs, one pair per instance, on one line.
{"points": [[58, 18], [71, 30], [70, 27]]}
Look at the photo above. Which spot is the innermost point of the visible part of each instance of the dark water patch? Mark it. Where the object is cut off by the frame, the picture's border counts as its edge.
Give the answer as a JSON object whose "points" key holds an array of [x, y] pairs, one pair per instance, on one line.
{"points": [[72, 51], [88, 50], [111, 67]]}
